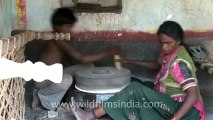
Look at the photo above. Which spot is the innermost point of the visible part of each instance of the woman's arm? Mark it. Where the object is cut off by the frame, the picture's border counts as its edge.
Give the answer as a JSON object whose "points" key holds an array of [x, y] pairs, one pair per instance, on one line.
{"points": [[191, 98], [73, 53], [184, 74], [151, 65]]}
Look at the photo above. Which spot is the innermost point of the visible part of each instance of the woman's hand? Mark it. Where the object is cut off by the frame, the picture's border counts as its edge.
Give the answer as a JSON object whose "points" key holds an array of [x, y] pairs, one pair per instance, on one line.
{"points": [[173, 118], [122, 61], [192, 97]]}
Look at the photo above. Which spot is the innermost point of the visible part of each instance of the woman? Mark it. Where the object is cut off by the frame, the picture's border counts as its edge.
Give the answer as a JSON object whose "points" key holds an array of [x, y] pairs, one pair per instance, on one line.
{"points": [[175, 88]]}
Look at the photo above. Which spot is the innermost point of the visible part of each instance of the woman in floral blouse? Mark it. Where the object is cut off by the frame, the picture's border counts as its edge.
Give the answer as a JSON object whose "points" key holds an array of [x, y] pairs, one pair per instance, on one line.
{"points": [[175, 90]]}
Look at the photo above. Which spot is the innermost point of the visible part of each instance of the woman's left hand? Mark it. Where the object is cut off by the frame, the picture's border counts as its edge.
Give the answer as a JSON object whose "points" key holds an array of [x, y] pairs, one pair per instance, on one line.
{"points": [[173, 118]]}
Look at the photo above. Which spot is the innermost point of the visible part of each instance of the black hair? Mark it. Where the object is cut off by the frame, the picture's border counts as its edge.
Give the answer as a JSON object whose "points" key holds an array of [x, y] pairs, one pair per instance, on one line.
{"points": [[173, 30], [63, 16]]}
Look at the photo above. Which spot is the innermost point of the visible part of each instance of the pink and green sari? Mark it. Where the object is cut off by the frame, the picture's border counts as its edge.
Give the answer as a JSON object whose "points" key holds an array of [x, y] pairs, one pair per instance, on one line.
{"points": [[177, 74]]}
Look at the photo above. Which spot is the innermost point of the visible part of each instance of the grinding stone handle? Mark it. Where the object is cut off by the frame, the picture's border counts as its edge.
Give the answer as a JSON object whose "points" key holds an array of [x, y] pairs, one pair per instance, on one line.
{"points": [[117, 64]]}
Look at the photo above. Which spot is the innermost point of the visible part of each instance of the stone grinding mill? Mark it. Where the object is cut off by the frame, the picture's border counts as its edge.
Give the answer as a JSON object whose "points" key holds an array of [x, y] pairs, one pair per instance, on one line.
{"points": [[97, 84]]}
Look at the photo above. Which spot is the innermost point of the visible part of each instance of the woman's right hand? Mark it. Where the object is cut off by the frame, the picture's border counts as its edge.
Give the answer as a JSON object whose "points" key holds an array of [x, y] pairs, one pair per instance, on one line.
{"points": [[123, 61]]}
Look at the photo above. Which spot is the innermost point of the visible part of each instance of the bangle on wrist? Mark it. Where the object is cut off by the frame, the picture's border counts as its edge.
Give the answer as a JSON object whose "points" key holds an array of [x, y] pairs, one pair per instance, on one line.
{"points": [[173, 118]]}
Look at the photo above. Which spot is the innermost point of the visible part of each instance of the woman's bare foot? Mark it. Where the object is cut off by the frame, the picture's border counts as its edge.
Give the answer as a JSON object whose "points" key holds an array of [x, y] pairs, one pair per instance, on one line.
{"points": [[36, 103], [79, 113]]}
